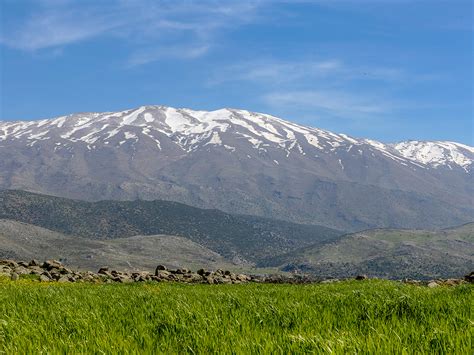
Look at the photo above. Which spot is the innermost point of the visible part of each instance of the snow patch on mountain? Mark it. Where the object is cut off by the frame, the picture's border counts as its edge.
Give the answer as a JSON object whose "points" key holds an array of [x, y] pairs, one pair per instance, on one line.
{"points": [[437, 153], [190, 130]]}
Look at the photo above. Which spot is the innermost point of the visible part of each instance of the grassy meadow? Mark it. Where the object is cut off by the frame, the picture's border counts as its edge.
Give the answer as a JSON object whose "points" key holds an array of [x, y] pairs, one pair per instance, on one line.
{"points": [[372, 316]]}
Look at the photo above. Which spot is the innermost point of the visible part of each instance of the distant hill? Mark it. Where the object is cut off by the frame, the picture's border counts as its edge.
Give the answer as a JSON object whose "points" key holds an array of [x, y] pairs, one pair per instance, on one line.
{"points": [[23, 241], [240, 239], [388, 253]]}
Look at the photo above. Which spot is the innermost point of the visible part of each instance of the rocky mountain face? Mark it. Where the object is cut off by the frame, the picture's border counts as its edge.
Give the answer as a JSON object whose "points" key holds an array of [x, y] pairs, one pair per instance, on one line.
{"points": [[241, 162]]}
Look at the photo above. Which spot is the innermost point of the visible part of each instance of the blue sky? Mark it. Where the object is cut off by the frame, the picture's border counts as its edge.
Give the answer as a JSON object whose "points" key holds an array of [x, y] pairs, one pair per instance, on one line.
{"points": [[384, 69]]}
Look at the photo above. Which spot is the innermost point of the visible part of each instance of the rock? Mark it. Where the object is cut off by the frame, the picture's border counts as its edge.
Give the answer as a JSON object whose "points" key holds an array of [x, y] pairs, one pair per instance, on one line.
{"points": [[33, 263], [361, 277], [469, 277], [433, 284], [21, 270], [62, 279], [160, 268], [218, 279], [103, 270], [182, 271], [44, 278], [201, 272], [452, 282], [163, 274], [88, 278], [52, 264], [242, 277], [194, 278], [9, 263], [122, 279], [35, 270], [172, 277], [14, 276]]}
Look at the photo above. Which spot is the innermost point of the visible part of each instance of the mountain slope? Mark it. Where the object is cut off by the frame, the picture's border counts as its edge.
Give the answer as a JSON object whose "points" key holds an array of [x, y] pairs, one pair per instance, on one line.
{"points": [[241, 162], [22, 241], [241, 239], [387, 253]]}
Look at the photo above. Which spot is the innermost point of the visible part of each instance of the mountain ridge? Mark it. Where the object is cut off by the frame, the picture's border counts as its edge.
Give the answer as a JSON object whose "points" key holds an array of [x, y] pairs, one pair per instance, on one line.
{"points": [[415, 151], [240, 162]]}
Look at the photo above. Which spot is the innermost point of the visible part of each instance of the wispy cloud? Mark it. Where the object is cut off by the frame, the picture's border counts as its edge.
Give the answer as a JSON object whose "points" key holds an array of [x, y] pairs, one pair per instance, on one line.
{"points": [[324, 87], [329, 102], [333, 70], [144, 56], [155, 29], [271, 71]]}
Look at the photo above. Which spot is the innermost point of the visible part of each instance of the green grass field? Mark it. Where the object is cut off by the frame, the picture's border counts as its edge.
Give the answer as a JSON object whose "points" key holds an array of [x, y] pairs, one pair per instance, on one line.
{"points": [[349, 317]]}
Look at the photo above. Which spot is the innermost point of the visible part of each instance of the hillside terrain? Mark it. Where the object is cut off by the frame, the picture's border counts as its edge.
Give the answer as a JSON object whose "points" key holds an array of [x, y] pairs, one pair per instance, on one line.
{"points": [[239, 239], [241, 162], [24, 241], [141, 234], [388, 253]]}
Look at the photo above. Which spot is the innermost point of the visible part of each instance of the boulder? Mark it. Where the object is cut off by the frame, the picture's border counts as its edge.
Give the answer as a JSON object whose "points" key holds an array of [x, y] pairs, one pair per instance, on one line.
{"points": [[163, 274], [433, 284], [62, 279], [103, 270], [33, 262], [243, 277], [182, 271], [9, 263], [21, 270], [160, 268], [210, 280], [469, 277], [52, 264], [14, 276], [44, 278]]}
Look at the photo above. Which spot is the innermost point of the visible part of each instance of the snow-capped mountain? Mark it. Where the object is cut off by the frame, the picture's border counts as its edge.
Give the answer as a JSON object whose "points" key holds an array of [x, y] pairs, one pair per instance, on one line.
{"points": [[193, 130], [240, 161]]}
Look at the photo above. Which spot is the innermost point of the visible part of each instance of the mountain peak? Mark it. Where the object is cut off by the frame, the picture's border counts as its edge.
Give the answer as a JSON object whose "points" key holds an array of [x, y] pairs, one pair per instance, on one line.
{"points": [[227, 128]]}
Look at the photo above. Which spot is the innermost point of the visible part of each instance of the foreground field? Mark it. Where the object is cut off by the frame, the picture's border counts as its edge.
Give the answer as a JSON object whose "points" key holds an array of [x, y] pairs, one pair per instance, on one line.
{"points": [[369, 316]]}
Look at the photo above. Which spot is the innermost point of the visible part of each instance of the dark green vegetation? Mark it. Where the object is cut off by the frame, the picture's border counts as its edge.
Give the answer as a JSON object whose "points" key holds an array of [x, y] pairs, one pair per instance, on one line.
{"points": [[232, 236], [387, 253], [349, 317]]}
